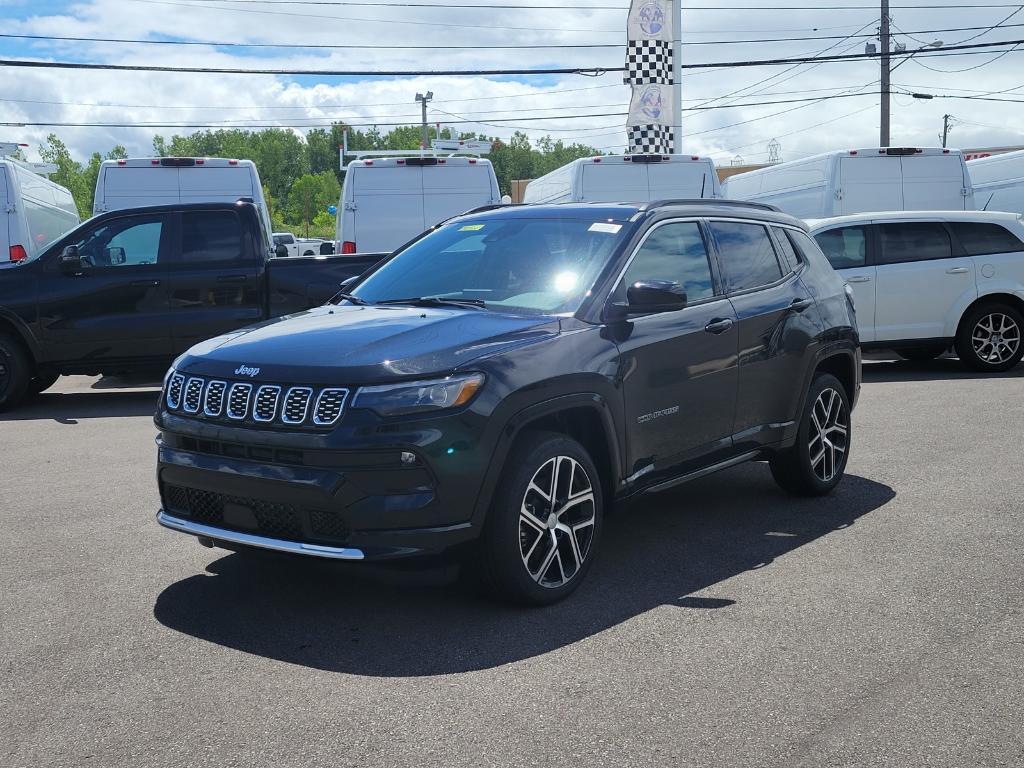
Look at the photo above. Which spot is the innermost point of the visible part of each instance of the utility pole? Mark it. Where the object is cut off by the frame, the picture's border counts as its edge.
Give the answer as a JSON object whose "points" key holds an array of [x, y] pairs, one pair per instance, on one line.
{"points": [[883, 37], [677, 76], [945, 128], [423, 99]]}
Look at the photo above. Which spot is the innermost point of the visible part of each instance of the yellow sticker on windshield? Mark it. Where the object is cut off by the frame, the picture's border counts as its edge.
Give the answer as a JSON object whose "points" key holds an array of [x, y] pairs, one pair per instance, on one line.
{"points": [[471, 227]]}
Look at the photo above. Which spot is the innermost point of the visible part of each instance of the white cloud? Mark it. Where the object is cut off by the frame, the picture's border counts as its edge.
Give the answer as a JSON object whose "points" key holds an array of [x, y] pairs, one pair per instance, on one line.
{"points": [[207, 98]]}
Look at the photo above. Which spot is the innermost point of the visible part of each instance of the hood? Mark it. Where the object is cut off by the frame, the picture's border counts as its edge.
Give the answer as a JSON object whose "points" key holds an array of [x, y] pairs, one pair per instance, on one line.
{"points": [[361, 345]]}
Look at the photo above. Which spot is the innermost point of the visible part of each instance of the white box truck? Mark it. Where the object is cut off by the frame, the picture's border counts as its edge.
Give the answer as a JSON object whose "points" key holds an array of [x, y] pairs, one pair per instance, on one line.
{"points": [[142, 181], [33, 210], [998, 182], [385, 202], [860, 180], [627, 179]]}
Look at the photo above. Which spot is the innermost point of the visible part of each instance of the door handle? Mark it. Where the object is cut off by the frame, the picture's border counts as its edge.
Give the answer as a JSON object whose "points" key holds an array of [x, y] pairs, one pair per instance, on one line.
{"points": [[145, 283], [957, 271], [858, 279], [718, 325], [799, 305], [231, 278]]}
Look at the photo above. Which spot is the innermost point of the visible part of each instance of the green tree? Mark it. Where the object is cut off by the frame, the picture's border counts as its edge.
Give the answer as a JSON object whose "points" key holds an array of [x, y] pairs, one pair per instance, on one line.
{"points": [[309, 196]]}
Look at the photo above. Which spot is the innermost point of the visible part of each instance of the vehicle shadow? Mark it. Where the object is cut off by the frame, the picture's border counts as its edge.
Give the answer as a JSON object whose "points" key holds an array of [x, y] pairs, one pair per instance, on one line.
{"points": [[941, 369], [656, 552], [71, 407]]}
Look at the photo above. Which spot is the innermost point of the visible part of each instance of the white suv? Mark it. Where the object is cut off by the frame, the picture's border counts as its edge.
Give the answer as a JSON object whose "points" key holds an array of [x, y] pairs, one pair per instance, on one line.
{"points": [[926, 281]]}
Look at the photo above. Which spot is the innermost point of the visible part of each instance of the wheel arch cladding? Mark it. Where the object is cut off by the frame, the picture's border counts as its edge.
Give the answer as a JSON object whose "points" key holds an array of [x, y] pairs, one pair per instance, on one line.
{"points": [[584, 425], [842, 366], [11, 329]]}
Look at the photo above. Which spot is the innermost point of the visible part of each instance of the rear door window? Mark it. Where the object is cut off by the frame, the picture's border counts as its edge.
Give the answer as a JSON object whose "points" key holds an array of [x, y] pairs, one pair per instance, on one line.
{"points": [[913, 241], [211, 237], [845, 247], [747, 255], [980, 239]]}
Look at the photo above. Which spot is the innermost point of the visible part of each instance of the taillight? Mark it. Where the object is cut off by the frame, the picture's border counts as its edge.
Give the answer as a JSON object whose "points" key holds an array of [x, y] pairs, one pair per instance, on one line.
{"points": [[348, 247], [18, 253]]}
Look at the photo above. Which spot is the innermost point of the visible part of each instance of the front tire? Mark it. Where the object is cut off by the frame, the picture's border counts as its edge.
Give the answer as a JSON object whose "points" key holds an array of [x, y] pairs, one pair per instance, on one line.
{"points": [[15, 372], [989, 338], [544, 525], [815, 464]]}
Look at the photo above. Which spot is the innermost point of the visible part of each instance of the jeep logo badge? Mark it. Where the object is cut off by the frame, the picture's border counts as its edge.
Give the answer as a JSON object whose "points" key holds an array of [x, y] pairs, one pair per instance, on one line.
{"points": [[244, 370]]}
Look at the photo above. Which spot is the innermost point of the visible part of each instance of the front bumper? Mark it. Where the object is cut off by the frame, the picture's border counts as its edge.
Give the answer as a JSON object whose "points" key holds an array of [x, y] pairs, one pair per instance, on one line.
{"points": [[359, 503]]}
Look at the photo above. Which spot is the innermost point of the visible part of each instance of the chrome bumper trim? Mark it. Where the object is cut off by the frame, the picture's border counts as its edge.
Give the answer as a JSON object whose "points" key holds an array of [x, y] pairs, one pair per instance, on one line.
{"points": [[236, 537]]}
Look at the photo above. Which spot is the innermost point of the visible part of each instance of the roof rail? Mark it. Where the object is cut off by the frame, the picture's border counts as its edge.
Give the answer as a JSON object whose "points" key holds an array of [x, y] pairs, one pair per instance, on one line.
{"points": [[711, 201]]}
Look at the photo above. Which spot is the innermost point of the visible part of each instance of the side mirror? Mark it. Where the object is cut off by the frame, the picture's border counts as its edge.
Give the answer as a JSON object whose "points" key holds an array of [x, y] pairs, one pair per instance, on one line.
{"points": [[115, 256], [70, 259], [655, 296], [281, 251]]}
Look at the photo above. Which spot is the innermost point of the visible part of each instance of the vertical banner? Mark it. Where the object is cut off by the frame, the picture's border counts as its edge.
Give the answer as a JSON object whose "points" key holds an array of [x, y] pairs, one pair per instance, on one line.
{"points": [[652, 108]]}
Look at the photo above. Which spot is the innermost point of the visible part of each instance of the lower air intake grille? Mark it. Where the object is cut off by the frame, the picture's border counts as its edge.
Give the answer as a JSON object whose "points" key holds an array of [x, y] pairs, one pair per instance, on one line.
{"points": [[263, 518]]}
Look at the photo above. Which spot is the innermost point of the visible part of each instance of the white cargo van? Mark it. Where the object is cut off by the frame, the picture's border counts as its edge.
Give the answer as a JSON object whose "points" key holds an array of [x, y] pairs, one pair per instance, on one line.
{"points": [[627, 179], [33, 211], [999, 182], [385, 202], [860, 180], [144, 181]]}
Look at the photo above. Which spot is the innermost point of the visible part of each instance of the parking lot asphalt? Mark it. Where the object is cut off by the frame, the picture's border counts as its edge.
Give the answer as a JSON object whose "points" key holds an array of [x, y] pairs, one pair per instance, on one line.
{"points": [[724, 623]]}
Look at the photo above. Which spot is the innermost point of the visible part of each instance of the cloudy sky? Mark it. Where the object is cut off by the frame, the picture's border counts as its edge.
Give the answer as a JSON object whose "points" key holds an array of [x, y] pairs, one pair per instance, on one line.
{"points": [[393, 36]]}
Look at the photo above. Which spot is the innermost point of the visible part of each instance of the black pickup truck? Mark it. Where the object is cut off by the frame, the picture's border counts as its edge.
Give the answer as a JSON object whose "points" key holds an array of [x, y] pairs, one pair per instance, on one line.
{"points": [[130, 290]]}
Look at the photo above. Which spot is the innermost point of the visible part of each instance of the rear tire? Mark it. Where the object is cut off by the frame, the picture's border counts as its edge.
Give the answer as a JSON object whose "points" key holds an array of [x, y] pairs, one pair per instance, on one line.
{"points": [[544, 524], [989, 338], [15, 372], [815, 463]]}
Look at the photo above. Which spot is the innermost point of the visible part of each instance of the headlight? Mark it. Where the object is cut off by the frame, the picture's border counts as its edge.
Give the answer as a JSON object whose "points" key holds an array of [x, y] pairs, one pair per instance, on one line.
{"points": [[419, 396]]}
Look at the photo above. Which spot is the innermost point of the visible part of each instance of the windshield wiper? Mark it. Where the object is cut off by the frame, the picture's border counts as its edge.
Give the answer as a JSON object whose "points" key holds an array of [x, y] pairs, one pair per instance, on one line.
{"points": [[351, 298], [436, 301]]}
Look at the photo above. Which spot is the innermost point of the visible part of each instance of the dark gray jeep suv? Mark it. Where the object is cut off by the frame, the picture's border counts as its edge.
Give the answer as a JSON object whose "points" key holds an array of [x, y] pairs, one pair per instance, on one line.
{"points": [[489, 390]]}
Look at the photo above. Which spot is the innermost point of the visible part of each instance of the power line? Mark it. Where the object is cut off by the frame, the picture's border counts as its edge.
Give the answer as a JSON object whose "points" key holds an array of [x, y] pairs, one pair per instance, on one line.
{"points": [[960, 50], [326, 46], [517, 6]]}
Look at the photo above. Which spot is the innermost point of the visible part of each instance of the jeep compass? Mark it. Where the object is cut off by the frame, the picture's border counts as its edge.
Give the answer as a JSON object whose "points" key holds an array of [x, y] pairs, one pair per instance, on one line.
{"points": [[494, 387]]}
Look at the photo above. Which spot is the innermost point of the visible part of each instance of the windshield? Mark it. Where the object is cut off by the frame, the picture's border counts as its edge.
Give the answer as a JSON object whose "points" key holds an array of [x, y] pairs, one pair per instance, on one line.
{"points": [[533, 266]]}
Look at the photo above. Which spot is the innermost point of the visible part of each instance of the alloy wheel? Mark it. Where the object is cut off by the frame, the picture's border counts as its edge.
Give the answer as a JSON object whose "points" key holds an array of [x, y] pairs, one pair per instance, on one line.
{"points": [[5, 375], [829, 436], [995, 338], [556, 521]]}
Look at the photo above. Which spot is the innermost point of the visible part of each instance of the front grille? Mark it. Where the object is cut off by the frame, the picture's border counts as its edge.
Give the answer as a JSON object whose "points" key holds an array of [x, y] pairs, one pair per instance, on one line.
{"points": [[214, 403], [238, 401], [263, 404], [257, 516], [193, 395], [266, 403], [174, 387], [329, 405], [296, 405]]}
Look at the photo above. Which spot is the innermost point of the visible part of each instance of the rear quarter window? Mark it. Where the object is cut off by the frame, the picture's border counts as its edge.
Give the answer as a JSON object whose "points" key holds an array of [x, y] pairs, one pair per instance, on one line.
{"points": [[978, 239]]}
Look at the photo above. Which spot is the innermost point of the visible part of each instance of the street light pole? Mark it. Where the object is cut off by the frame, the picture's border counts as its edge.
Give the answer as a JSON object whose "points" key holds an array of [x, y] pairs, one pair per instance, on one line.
{"points": [[677, 76], [883, 36], [423, 99]]}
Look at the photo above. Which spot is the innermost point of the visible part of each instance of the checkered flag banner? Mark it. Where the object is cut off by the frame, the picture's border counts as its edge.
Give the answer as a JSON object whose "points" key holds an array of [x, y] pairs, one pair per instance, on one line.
{"points": [[650, 139], [649, 71]]}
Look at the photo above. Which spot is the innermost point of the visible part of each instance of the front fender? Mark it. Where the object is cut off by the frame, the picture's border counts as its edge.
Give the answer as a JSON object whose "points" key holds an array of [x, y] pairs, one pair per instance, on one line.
{"points": [[602, 404]]}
